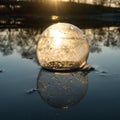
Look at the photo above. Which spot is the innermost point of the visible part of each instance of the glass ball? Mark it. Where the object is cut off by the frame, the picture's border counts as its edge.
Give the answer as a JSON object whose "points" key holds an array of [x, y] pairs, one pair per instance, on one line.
{"points": [[62, 46]]}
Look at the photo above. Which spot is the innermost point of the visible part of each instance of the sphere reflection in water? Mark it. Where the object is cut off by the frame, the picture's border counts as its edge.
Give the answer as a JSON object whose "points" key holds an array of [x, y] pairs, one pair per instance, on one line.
{"points": [[62, 90], [62, 47]]}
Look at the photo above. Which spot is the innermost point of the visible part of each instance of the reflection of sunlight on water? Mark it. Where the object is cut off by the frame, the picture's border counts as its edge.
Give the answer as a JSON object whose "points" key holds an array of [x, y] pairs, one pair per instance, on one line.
{"points": [[2, 6], [54, 17], [97, 38]]}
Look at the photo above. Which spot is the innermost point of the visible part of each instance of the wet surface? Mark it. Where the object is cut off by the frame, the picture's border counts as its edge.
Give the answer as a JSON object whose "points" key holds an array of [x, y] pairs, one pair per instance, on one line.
{"points": [[20, 74]]}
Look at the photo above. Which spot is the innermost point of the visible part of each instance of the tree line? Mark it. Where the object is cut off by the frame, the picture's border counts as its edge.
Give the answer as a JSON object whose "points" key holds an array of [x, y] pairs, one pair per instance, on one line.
{"points": [[110, 3]]}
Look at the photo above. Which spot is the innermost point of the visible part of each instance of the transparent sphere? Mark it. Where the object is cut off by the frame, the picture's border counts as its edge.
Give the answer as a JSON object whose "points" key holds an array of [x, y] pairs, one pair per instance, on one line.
{"points": [[62, 90], [62, 46]]}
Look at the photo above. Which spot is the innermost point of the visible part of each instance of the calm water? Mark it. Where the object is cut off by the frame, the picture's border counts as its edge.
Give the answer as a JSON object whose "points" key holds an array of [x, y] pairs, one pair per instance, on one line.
{"points": [[88, 96]]}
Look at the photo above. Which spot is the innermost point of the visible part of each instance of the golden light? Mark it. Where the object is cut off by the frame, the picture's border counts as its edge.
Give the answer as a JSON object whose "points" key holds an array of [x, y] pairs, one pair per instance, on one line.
{"points": [[3, 21], [54, 17], [57, 38], [2, 6], [17, 6], [62, 46], [18, 22]]}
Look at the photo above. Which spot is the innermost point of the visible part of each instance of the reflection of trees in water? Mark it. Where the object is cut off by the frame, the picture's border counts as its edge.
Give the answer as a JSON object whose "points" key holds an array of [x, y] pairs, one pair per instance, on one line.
{"points": [[24, 41], [94, 39], [109, 37]]}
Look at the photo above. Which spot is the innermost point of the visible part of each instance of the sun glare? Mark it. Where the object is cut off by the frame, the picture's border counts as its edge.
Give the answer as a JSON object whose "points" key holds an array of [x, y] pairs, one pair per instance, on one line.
{"points": [[57, 37]]}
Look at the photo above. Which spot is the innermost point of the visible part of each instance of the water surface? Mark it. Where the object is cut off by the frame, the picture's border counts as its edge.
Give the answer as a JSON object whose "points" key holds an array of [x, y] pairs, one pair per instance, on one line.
{"points": [[21, 72]]}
